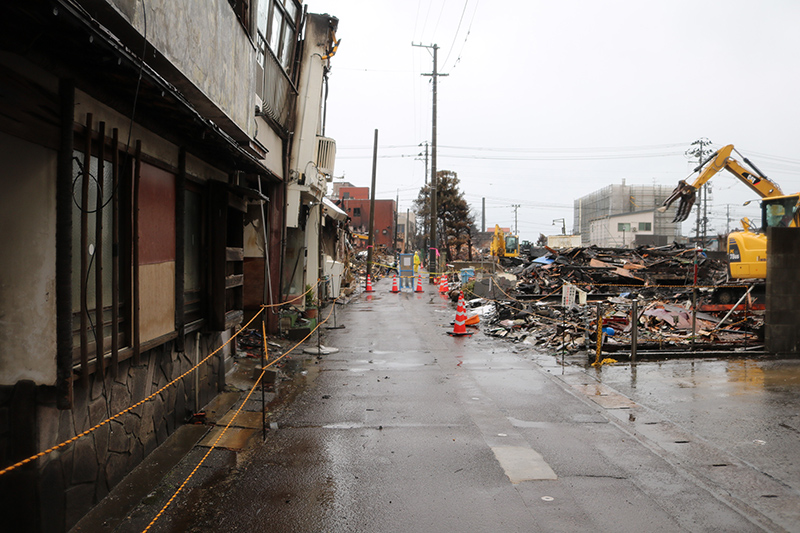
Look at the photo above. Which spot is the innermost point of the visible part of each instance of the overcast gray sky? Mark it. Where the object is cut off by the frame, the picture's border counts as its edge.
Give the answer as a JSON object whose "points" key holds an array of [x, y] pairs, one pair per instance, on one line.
{"points": [[547, 101]]}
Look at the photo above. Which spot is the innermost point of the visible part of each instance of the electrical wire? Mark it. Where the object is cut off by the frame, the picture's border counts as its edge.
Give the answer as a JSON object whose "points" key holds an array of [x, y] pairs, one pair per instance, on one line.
{"points": [[469, 31], [455, 36], [439, 19]]}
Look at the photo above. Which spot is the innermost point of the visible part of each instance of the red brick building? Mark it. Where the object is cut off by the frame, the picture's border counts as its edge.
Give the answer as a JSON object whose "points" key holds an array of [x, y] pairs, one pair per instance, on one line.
{"points": [[355, 202]]}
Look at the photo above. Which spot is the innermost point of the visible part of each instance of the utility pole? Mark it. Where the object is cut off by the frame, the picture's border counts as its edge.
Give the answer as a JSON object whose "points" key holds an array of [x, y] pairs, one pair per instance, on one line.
{"points": [[425, 220], [370, 237], [516, 225], [698, 149], [434, 206], [406, 234], [483, 215], [727, 219], [396, 219]]}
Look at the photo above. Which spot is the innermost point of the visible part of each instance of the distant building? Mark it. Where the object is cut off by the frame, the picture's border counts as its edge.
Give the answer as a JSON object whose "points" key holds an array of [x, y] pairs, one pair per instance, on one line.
{"points": [[406, 229], [355, 201], [625, 230], [352, 193], [358, 211], [337, 187], [621, 215]]}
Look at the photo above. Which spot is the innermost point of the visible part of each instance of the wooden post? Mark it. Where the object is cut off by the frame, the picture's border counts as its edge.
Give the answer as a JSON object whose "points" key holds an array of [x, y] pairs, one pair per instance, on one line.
{"points": [[115, 288], [87, 162], [180, 253], [136, 303], [64, 251], [98, 254], [634, 329]]}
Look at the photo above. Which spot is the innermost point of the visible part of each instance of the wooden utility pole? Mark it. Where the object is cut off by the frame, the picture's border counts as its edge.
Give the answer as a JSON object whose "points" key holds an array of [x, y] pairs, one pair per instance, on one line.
{"points": [[370, 236], [483, 215], [433, 245], [396, 219]]}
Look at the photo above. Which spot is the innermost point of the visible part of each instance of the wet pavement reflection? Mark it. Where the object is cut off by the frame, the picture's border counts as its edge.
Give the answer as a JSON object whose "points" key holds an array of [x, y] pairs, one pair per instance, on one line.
{"points": [[746, 406]]}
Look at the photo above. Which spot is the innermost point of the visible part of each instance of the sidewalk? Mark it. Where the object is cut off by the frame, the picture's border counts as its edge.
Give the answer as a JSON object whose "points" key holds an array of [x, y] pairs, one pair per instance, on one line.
{"points": [[139, 497]]}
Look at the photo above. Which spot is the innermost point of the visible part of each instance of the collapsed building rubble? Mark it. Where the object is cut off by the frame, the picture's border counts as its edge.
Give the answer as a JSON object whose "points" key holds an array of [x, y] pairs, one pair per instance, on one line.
{"points": [[558, 296]]}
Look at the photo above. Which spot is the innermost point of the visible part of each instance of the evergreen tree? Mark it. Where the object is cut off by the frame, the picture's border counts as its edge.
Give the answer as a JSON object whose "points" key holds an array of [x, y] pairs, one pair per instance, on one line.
{"points": [[455, 223]]}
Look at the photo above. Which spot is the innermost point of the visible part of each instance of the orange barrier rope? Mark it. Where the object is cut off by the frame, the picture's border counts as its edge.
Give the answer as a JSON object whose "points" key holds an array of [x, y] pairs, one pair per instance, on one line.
{"points": [[253, 388], [148, 398], [114, 417]]}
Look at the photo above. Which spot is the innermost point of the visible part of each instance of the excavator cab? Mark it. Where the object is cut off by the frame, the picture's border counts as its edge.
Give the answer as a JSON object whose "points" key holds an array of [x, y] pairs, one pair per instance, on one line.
{"points": [[512, 246], [779, 212]]}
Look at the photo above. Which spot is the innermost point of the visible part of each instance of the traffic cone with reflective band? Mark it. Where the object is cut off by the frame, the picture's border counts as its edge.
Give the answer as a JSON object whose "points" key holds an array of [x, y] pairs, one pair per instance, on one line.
{"points": [[460, 328], [369, 285], [419, 285], [443, 286], [394, 284]]}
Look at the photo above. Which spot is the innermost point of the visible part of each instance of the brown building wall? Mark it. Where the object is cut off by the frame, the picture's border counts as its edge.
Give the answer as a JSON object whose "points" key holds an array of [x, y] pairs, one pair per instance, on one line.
{"points": [[384, 222], [354, 193]]}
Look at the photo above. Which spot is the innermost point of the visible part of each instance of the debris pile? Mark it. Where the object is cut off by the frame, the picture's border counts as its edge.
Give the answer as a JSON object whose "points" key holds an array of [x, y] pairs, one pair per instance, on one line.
{"points": [[382, 265], [558, 297], [614, 270]]}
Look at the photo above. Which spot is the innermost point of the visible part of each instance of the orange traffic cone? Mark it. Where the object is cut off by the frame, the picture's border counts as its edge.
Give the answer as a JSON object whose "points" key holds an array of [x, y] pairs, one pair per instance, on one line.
{"points": [[443, 286], [460, 328], [394, 284], [369, 285], [419, 285]]}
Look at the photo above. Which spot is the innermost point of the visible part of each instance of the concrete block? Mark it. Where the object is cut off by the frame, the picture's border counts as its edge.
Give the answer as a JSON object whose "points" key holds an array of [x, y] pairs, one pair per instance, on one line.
{"points": [[782, 338]]}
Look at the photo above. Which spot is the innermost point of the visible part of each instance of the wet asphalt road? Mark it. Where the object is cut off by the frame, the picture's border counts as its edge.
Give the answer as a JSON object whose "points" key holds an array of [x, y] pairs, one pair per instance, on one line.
{"points": [[408, 429]]}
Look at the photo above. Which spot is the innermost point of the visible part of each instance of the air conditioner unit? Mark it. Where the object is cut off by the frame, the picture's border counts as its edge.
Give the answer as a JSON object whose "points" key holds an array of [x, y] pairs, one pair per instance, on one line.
{"points": [[326, 156]]}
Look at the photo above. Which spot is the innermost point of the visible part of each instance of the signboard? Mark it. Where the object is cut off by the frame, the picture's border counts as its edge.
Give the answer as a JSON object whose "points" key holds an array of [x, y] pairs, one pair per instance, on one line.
{"points": [[406, 270]]}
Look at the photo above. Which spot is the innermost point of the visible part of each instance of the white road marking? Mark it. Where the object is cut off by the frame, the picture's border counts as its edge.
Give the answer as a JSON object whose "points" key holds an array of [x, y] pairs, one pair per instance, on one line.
{"points": [[522, 463]]}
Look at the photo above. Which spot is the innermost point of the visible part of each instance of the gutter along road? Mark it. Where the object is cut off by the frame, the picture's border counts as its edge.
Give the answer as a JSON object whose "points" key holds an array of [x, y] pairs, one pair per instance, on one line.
{"points": [[409, 429]]}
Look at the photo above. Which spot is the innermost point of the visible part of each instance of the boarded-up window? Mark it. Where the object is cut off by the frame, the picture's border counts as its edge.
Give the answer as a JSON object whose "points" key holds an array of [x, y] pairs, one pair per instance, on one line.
{"points": [[156, 252]]}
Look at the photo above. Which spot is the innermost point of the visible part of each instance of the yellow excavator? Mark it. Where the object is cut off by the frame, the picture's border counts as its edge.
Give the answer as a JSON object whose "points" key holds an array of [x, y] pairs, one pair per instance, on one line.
{"points": [[504, 245], [747, 248]]}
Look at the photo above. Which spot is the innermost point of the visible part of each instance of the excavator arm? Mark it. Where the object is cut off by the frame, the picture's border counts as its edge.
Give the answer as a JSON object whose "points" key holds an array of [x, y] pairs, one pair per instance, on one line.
{"points": [[721, 159], [498, 242]]}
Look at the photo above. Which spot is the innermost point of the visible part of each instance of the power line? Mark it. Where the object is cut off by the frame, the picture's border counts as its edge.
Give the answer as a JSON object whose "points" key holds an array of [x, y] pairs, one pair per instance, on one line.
{"points": [[439, 19], [460, 20], [535, 150], [469, 30], [569, 150], [383, 147], [562, 158], [540, 157]]}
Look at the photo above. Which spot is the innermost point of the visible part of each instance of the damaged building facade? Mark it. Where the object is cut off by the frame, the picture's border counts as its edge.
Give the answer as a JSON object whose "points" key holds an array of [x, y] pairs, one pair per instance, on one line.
{"points": [[147, 148], [311, 163]]}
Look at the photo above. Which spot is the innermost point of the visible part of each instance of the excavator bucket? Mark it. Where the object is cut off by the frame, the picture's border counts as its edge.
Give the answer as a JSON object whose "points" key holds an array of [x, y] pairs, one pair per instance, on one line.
{"points": [[685, 194]]}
